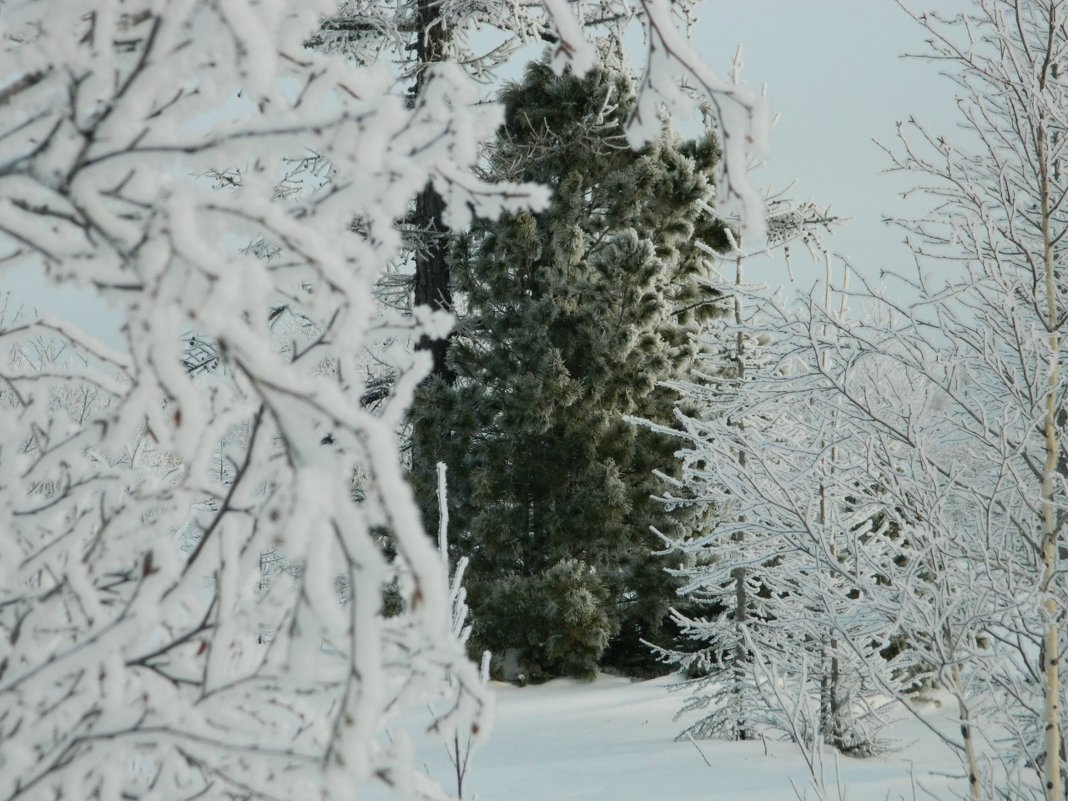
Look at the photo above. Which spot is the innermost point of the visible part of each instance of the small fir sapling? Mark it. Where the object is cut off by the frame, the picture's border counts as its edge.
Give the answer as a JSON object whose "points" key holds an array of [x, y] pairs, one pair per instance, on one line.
{"points": [[769, 459], [760, 459]]}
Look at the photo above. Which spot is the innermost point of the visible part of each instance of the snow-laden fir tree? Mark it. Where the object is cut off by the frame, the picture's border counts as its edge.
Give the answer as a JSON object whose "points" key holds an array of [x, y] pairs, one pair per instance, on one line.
{"points": [[761, 463], [570, 320]]}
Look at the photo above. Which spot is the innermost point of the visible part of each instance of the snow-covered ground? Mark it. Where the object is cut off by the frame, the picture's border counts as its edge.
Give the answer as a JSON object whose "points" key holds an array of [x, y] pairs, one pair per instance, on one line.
{"points": [[613, 740]]}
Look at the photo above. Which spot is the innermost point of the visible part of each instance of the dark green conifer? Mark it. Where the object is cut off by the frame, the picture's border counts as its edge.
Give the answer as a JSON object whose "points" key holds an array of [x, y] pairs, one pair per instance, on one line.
{"points": [[569, 319]]}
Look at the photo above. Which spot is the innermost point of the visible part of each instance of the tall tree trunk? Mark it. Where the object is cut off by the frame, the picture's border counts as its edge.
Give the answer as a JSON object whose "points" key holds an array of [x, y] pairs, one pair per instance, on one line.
{"points": [[975, 790], [432, 287], [741, 599], [1050, 645], [830, 680]]}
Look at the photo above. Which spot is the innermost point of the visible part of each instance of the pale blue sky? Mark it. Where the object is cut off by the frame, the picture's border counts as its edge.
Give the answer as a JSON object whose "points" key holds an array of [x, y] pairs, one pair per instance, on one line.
{"points": [[834, 72]]}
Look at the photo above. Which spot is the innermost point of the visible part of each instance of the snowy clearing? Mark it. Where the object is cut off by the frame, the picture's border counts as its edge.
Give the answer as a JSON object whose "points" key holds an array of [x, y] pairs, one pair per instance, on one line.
{"points": [[613, 739]]}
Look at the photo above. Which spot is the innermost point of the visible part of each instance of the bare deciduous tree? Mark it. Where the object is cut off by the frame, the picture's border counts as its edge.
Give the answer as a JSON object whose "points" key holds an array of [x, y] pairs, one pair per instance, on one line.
{"points": [[1001, 217]]}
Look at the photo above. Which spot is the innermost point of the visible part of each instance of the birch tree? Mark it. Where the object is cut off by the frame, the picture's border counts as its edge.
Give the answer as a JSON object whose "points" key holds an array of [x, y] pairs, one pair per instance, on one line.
{"points": [[959, 396], [950, 408], [1000, 221]]}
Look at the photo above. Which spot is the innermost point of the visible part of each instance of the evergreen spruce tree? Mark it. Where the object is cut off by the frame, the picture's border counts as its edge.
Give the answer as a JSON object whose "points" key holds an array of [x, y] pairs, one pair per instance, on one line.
{"points": [[569, 320]]}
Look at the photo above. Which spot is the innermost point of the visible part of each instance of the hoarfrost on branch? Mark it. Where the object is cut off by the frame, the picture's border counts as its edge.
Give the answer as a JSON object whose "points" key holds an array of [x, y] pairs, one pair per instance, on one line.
{"points": [[143, 655]]}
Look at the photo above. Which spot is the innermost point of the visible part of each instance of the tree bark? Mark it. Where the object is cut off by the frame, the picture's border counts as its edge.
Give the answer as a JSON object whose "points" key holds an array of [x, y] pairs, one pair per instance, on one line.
{"points": [[432, 286], [1050, 649], [741, 600], [975, 789]]}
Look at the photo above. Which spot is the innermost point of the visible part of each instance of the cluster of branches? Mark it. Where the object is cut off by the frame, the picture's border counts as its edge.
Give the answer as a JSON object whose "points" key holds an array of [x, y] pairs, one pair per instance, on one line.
{"points": [[141, 652], [898, 480], [131, 606]]}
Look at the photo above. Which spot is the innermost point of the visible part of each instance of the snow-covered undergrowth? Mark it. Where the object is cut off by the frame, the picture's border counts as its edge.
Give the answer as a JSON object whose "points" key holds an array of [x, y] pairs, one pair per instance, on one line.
{"points": [[614, 740]]}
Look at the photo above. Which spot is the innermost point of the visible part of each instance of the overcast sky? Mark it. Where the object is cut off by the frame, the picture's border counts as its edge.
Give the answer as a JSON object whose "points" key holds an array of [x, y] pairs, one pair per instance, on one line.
{"points": [[835, 76]]}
